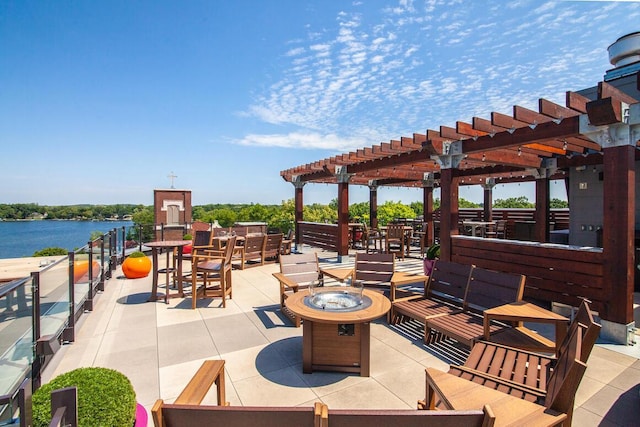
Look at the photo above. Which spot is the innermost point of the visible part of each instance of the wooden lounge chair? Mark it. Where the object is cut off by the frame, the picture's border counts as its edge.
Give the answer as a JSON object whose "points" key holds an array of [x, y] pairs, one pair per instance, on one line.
{"points": [[523, 373], [287, 243], [297, 271], [486, 289], [443, 294], [209, 265], [463, 390]]}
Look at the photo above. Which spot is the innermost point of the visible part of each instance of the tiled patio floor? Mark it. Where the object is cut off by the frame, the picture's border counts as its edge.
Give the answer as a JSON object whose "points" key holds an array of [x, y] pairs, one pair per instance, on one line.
{"points": [[159, 347]]}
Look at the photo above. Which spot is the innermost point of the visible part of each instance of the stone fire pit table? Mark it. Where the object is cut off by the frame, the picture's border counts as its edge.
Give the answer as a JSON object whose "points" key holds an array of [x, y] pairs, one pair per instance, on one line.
{"points": [[336, 330]]}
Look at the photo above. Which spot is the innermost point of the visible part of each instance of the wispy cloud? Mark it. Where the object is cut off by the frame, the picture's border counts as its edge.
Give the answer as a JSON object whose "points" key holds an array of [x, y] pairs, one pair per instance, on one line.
{"points": [[380, 74]]}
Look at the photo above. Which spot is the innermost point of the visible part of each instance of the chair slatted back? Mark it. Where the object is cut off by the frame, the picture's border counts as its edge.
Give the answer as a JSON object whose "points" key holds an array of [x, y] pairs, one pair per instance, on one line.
{"points": [[449, 281], [590, 330], [408, 418], [301, 268], [567, 374], [254, 244], [395, 232], [202, 238], [272, 245], [374, 269], [489, 289]]}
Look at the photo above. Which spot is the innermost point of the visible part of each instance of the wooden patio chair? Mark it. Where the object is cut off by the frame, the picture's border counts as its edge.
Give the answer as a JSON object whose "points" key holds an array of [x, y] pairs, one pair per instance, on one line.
{"points": [[209, 265], [486, 289], [510, 369], [443, 294], [297, 271], [395, 240], [253, 249], [272, 246], [533, 377], [371, 236], [497, 230], [287, 243]]}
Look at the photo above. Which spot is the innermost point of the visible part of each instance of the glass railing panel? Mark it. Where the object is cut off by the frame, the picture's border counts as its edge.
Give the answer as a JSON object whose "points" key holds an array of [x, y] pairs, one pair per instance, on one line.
{"points": [[81, 282], [54, 297], [16, 333]]}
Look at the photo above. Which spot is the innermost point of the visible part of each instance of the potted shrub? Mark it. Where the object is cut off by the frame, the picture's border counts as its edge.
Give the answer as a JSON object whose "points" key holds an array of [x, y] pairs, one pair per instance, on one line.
{"points": [[105, 398], [433, 253], [136, 265]]}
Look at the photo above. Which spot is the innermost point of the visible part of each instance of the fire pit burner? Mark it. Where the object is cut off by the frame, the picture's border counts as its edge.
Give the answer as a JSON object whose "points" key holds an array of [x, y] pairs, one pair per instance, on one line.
{"points": [[341, 301]]}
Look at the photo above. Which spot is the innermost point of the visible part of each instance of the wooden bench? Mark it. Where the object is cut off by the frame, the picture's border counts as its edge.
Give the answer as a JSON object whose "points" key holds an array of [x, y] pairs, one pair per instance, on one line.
{"points": [[486, 289], [187, 410], [443, 294]]}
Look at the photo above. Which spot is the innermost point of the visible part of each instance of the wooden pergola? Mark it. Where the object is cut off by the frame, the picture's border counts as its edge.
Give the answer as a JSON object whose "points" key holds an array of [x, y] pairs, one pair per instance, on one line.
{"points": [[527, 145]]}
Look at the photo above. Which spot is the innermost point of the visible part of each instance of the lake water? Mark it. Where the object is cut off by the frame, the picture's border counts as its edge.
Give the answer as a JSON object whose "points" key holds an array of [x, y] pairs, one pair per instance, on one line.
{"points": [[23, 238]]}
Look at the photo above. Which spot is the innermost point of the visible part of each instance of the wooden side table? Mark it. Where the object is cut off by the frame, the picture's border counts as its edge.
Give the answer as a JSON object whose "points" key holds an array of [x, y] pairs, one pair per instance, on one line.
{"points": [[520, 336]]}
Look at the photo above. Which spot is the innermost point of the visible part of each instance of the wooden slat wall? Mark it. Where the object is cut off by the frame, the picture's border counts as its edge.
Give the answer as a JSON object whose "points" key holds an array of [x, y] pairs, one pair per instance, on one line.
{"points": [[319, 235], [553, 273]]}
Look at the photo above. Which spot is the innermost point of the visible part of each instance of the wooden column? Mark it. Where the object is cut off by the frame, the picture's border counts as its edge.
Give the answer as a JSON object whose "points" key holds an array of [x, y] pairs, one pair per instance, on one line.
{"points": [[487, 186], [373, 205], [618, 232], [343, 212], [448, 212], [427, 213], [541, 214], [427, 206], [299, 208]]}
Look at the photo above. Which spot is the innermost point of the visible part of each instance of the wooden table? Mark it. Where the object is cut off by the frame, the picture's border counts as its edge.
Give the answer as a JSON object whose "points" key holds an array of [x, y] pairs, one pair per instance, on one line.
{"points": [[169, 245], [337, 341], [461, 394], [523, 311], [340, 274], [475, 225]]}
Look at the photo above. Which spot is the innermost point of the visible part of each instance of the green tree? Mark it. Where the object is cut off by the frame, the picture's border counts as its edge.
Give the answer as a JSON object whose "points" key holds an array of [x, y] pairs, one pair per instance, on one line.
{"points": [[558, 204], [391, 210], [513, 202]]}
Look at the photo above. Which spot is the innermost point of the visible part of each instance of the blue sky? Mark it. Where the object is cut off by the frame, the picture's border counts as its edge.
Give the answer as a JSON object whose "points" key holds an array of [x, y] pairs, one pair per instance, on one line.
{"points": [[101, 101]]}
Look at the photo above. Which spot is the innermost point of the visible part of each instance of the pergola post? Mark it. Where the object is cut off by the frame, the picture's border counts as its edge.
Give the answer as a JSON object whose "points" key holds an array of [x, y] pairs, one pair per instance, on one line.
{"points": [[449, 160], [615, 126], [487, 186], [427, 206], [342, 244], [299, 208], [541, 214], [373, 204]]}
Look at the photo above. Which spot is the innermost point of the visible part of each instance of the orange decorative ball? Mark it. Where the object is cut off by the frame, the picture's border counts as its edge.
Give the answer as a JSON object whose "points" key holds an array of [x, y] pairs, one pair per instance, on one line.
{"points": [[81, 270], [135, 267]]}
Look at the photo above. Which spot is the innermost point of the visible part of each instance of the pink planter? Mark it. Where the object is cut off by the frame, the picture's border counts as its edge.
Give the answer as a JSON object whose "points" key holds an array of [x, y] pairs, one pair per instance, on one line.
{"points": [[428, 266], [141, 416]]}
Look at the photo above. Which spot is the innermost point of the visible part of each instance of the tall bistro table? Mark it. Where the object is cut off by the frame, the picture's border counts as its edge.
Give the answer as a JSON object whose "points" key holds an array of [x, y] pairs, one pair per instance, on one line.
{"points": [[335, 340], [169, 245]]}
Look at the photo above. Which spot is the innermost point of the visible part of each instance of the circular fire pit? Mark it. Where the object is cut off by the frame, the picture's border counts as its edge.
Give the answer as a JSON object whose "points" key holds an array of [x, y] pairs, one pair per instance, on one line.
{"points": [[336, 331], [339, 300]]}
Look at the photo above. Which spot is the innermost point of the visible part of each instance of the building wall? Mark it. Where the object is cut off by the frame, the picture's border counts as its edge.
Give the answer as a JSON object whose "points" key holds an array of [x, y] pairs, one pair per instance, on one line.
{"points": [[172, 213], [586, 204]]}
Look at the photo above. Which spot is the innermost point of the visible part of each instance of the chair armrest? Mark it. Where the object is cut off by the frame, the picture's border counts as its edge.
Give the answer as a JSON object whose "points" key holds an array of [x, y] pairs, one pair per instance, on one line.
{"points": [[285, 281], [211, 371], [401, 279]]}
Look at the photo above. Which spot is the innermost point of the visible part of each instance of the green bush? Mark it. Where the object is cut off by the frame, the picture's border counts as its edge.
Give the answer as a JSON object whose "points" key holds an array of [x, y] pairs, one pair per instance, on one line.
{"points": [[51, 252], [105, 398], [187, 237]]}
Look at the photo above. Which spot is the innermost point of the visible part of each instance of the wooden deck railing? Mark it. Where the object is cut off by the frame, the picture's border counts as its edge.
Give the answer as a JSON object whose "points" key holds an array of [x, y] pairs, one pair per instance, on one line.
{"points": [[319, 235], [554, 273]]}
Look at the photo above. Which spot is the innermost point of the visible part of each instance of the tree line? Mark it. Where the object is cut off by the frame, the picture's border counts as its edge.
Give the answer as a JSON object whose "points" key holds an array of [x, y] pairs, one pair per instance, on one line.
{"points": [[277, 216]]}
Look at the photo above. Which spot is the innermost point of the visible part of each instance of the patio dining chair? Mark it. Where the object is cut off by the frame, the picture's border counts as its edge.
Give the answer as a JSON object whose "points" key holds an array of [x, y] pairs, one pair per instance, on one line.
{"points": [[395, 240], [209, 265]]}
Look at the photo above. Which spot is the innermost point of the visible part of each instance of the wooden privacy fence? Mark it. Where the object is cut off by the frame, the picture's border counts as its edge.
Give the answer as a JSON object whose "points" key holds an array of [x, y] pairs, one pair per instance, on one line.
{"points": [[554, 273], [319, 235]]}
